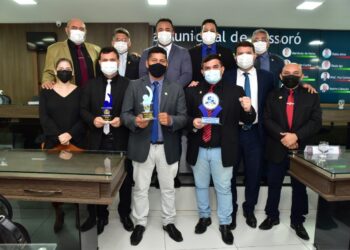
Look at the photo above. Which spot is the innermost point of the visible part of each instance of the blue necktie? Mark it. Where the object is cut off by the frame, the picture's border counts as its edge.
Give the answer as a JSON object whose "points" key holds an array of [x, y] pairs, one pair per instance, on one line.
{"points": [[247, 84], [154, 137]]}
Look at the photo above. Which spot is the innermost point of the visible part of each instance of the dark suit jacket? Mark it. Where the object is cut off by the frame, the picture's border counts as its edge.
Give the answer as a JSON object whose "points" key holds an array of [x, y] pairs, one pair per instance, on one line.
{"points": [[179, 65], [90, 107], [265, 85], [307, 120], [172, 101], [230, 116], [196, 57], [276, 66], [132, 67]]}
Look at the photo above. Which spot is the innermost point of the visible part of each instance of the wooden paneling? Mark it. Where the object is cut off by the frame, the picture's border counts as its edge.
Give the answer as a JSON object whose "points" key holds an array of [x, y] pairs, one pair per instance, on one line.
{"points": [[18, 67]]}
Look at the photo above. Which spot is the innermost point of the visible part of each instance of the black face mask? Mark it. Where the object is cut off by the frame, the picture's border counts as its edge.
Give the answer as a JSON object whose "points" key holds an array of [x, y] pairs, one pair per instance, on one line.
{"points": [[157, 70], [64, 75], [290, 81]]}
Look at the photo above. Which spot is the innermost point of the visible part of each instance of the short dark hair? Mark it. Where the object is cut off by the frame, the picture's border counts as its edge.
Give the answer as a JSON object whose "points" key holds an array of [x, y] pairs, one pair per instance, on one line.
{"points": [[211, 57], [121, 30], [155, 50], [209, 21], [244, 44], [107, 50], [64, 60], [165, 20]]}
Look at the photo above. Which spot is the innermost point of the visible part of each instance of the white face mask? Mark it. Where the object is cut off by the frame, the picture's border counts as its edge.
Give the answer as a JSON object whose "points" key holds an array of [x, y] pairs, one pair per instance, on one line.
{"points": [[245, 61], [212, 76], [77, 36], [121, 47], [109, 68], [208, 37], [260, 47], [164, 37]]}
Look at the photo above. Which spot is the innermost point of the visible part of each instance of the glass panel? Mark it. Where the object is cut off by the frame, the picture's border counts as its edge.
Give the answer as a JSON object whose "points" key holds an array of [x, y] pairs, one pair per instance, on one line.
{"points": [[28, 246], [63, 162]]}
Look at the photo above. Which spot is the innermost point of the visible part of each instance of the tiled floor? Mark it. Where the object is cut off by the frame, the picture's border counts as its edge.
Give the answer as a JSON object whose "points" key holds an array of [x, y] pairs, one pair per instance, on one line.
{"points": [[281, 237]]}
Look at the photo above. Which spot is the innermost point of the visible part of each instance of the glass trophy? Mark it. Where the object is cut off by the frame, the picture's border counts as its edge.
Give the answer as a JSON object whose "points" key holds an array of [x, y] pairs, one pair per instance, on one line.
{"points": [[210, 109], [147, 112]]}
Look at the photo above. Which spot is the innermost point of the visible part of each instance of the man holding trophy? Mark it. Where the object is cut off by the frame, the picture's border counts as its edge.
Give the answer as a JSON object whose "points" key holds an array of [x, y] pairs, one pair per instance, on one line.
{"points": [[101, 105], [214, 109], [154, 109]]}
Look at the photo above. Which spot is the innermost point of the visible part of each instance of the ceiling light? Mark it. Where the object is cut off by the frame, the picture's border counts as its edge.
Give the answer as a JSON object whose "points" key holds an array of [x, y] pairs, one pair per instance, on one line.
{"points": [[309, 5], [316, 43], [157, 2], [26, 2]]}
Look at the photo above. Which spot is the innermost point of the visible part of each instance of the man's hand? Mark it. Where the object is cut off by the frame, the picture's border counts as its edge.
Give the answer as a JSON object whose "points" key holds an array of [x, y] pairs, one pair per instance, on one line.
{"points": [[64, 138], [245, 103], [197, 123], [309, 88], [289, 139], [294, 146], [140, 122], [47, 85], [193, 84], [164, 119], [99, 122], [116, 122]]}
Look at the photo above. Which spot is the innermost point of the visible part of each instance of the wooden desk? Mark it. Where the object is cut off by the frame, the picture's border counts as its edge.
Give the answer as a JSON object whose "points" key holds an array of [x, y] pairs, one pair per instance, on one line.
{"points": [[19, 111]]}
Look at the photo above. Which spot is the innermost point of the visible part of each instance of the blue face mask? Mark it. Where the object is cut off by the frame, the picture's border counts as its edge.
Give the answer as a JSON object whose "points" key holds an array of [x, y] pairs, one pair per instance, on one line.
{"points": [[212, 76]]}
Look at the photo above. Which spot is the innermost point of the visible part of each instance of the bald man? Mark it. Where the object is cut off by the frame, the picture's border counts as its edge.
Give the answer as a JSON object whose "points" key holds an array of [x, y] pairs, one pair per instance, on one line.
{"points": [[83, 55], [292, 117]]}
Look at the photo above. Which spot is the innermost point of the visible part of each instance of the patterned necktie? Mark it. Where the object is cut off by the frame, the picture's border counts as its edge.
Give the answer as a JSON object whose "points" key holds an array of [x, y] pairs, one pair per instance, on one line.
{"points": [[290, 108], [206, 136], [106, 128], [83, 67], [247, 84], [154, 135]]}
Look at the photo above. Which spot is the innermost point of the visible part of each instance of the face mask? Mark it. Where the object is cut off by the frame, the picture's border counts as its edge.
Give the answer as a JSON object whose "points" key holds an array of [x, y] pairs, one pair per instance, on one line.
{"points": [[77, 36], [64, 75], [212, 76], [208, 37], [290, 81], [260, 47], [121, 47], [164, 37], [157, 70], [245, 61], [109, 68]]}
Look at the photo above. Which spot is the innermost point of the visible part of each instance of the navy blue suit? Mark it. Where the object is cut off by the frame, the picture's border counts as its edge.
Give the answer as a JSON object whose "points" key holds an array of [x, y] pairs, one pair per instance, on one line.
{"points": [[251, 144], [276, 66]]}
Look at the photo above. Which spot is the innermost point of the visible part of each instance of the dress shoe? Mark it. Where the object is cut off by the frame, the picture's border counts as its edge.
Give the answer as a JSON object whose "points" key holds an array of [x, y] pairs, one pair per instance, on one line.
{"points": [[300, 231], [177, 182], [127, 223], [226, 234], [268, 223], [233, 223], [59, 221], [88, 224], [250, 219], [173, 232], [136, 235], [202, 225], [101, 223]]}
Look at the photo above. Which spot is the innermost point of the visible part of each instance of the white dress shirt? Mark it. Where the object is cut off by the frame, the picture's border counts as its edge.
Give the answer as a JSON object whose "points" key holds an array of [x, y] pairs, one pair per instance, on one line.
{"points": [[123, 58], [167, 49]]}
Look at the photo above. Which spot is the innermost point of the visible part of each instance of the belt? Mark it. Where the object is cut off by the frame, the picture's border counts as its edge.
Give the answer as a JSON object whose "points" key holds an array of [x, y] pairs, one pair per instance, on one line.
{"points": [[247, 127], [157, 143]]}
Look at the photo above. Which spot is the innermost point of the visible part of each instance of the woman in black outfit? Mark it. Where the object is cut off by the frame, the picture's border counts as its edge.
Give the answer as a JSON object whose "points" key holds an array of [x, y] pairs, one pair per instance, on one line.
{"points": [[59, 112]]}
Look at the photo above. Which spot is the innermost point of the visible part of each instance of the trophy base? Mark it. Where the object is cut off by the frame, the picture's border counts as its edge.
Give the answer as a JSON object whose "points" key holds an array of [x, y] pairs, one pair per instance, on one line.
{"points": [[211, 120], [147, 115]]}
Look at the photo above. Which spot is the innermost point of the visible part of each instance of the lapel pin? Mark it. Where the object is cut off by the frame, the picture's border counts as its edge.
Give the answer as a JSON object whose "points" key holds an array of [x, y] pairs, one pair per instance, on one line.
{"points": [[129, 62], [280, 97], [200, 92], [166, 93]]}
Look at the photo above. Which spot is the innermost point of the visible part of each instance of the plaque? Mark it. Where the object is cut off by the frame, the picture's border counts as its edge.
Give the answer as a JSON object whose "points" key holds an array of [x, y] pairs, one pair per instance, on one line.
{"points": [[210, 109]]}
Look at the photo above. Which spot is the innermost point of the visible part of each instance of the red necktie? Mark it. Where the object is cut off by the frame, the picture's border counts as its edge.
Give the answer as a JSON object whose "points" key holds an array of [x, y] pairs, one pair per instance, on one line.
{"points": [[206, 136], [83, 67], [290, 108]]}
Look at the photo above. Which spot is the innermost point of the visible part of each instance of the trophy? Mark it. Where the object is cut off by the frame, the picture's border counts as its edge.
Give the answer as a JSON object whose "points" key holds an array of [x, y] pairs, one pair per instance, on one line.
{"points": [[210, 109], [341, 104], [107, 108], [147, 112]]}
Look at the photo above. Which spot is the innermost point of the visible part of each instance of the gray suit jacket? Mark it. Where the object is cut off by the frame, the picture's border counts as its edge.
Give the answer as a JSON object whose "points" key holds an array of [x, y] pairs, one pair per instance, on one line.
{"points": [[172, 101], [179, 65]]}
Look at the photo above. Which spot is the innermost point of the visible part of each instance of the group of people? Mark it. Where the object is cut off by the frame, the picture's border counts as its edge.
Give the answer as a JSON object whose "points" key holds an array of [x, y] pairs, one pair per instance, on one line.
{"points": [[245, 106]]}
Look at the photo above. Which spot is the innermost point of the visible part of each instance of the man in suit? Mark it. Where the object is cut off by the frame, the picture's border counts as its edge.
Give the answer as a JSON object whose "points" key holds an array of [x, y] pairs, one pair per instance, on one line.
{"points": [[257, 84], [83, 55], [209, 33], [292, 116], [154, 142], [212, 148], [265, 59], [101, 105], [179, 68]]}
